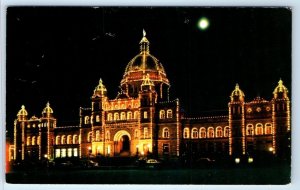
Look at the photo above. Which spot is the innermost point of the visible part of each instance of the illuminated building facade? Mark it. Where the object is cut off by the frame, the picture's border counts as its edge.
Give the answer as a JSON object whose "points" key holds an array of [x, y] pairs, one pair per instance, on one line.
{"points": [[142, 120]]}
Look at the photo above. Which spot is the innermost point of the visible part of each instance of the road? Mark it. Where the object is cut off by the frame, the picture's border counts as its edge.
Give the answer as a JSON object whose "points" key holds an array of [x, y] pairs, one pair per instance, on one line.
{"points": [[237, 175]]}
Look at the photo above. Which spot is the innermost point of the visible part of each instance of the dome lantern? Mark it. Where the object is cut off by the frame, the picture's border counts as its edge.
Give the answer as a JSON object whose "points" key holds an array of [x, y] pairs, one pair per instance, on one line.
{"points": [[100, 90], [144, 44], [47, 111], [280, 92], [22, 112], [237, 94]]}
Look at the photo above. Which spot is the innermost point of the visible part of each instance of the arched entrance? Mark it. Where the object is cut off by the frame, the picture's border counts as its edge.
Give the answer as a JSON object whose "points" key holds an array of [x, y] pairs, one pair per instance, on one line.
{"points": [[122, 143]]}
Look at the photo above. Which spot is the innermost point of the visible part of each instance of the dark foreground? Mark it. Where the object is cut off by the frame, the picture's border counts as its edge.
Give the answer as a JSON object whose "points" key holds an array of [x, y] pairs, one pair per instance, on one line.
{"points": [[237, 175]]}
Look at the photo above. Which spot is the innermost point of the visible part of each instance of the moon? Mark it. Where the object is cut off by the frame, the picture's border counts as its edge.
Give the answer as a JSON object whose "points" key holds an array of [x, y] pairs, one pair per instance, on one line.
{"points": [[203, 23]]}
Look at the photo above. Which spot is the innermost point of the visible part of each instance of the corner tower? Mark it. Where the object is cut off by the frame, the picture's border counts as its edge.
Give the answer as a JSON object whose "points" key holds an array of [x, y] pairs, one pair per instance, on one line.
{"points": [[237, 122], [145, 64], [281, 120]]}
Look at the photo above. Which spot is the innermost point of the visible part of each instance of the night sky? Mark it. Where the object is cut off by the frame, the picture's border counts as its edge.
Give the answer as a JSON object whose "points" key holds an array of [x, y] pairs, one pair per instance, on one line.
{"points": [[58, 54]]}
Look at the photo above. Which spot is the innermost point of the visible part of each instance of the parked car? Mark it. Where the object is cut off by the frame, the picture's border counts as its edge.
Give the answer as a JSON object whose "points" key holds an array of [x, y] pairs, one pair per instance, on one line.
{"points": [[204, 162], [89, 164], [153, 163]]}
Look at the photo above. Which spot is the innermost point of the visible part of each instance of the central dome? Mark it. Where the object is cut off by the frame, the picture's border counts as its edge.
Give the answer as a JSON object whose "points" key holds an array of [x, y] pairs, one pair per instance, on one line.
{"points": [[144, 62], [141, 65]]}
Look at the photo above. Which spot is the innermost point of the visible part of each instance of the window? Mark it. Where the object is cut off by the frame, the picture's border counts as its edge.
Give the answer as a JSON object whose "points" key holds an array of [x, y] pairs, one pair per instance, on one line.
{"points": [[268, 128], [129, 115], [123, 116], [75, 139], [97, 135], [162, 114], [165, 132], [259, 129], [86, 120], [169, 113], [202, 132], [186, 133], [219, 132], [38, 140], [33, 140], [97, 118], [63, 152], [57, 153], [75, 152], [145, 132], [69, 152], [116, 116], [57, 140], [210, 132], [136, 114], [69, 139], [194, 133], [226, 131], [249, 129], [107, 136], [145, 115], [63, 139], [89, 137], [28, 141], [109, 117], [166, 149]]}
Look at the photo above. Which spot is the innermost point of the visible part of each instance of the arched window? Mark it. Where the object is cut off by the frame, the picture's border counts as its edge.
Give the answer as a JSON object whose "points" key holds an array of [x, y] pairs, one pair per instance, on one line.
{"points": [[219, 132], [259, 129], [57, 140], [268, 128], [123, 116], [202, 132], [107, 136], [162, 114], [129, 115], [75, 139], [165, 132], [210, 132], [169, 113], [97, 118], [33, 140], [145, 115], [86, 120], [38, 140], [194, 133], [97, 135], [63, 139], [249, 130], [226, 131], [136, 115], [28, 141], [89, 137], [109, 117], [69, 139], [186, 133], [116, 116]]}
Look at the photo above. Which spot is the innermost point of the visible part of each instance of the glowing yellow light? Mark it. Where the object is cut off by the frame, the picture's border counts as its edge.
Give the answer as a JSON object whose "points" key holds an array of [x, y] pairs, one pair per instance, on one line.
{"points": [[203, 23], [250, 160], [271, 149], [237, 160]]}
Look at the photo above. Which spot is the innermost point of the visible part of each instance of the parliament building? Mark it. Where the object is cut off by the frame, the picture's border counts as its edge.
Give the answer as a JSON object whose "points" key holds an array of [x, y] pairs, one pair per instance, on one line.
{"points": [[142, 120]]}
